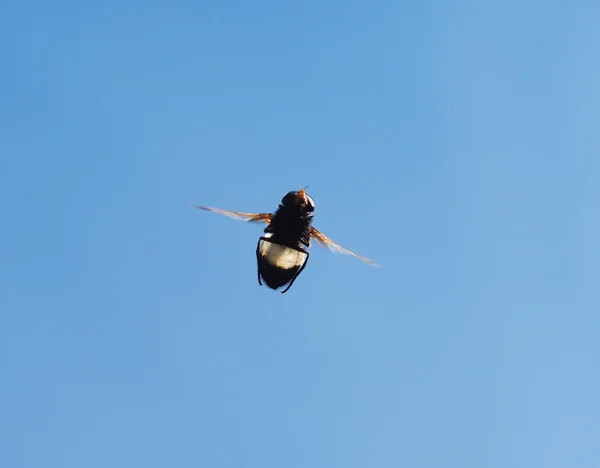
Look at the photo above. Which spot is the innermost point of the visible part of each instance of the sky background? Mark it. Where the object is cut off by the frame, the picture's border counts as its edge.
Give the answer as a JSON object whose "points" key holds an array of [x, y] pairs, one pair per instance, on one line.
{"points": [[455, 143]]}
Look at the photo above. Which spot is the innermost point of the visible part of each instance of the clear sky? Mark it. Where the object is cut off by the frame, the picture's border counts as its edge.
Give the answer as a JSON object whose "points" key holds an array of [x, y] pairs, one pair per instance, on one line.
{"points": [[455, 143]]}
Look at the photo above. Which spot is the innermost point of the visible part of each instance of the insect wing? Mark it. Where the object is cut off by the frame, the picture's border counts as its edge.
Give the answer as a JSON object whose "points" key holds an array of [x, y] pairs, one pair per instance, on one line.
{"points": [[327, 242], [252, 217]]}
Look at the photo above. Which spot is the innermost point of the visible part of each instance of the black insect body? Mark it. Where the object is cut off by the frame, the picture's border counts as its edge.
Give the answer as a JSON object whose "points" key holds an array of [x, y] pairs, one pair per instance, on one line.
{"points": [[281, 252]]}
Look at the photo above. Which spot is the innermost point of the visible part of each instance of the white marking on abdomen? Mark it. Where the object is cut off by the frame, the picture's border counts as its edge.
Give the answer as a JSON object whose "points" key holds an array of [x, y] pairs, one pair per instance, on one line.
{"points": [[281, 256]]}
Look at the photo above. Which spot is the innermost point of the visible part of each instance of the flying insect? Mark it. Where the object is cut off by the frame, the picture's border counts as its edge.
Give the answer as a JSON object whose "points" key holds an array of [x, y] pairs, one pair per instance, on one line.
{"points": [[281, 253]]}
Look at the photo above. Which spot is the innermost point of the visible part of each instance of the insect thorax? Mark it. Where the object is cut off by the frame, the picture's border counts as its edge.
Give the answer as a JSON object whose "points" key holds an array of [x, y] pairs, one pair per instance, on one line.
{"points": [[290, 227]]}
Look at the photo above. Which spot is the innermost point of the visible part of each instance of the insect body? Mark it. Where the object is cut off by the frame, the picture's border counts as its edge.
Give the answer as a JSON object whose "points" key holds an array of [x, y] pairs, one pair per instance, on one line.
{"points": [[281, 252]]}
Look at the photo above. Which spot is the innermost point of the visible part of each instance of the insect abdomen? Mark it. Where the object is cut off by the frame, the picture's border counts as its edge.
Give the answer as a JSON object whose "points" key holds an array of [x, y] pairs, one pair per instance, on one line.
{"points": [[279, 264]]}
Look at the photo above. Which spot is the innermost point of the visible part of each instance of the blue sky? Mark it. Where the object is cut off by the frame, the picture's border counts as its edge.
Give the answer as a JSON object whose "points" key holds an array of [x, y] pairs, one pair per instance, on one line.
{"points": [[456, 144]]}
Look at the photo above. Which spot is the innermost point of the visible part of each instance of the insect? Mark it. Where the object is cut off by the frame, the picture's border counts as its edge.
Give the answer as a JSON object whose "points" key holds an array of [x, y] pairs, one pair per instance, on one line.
{"points": [[281, 252]]}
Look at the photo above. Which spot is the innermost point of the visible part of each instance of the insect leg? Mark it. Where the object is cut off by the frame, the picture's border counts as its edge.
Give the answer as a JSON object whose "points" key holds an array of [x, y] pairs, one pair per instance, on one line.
{"points": [[258, 259], [299, 271]]}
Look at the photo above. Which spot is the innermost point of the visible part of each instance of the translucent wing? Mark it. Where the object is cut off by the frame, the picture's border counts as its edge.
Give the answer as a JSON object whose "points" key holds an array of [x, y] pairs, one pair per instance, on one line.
{"points": [[252, 217], [327, 242]]}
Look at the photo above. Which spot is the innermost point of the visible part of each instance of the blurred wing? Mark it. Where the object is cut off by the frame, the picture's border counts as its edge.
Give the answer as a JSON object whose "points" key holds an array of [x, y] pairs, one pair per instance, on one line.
{"points": [[252, 217], [327, 242]]}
